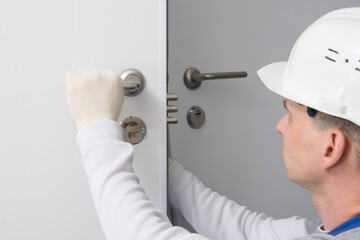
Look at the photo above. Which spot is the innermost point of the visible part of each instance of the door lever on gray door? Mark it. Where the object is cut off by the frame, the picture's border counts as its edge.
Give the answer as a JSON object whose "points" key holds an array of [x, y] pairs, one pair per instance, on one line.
{"points": [[193, 77]]}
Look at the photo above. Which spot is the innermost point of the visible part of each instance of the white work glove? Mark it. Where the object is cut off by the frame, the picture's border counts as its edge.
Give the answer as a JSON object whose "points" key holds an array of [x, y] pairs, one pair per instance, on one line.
{"points": [[94, 95]]}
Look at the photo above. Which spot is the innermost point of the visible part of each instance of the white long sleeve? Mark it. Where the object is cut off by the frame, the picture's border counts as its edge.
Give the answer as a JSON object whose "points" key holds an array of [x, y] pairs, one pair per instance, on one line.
{"points": [[124, 211], [219, 218]]}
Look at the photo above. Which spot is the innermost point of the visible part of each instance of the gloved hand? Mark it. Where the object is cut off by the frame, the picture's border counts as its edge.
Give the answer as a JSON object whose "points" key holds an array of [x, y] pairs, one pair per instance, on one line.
{"points": [[94, 95]]}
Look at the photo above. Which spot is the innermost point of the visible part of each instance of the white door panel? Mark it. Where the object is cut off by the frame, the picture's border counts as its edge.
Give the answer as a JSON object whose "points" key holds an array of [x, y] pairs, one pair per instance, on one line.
{"points": [[44, 191], [238, 152]]}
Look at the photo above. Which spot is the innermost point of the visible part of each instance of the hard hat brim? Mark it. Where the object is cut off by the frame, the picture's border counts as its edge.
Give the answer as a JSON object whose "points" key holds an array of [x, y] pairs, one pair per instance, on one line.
{"points": [[272, 76]]}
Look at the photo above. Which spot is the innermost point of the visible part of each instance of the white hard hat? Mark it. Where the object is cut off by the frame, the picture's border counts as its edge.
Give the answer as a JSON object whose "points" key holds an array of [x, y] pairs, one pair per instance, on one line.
{"points": [[323, 71]]}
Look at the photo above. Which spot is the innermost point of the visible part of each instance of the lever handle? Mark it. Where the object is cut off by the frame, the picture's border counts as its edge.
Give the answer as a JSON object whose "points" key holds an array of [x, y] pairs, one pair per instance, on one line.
{"points": [[131, 85], [133, 82], [221, 75], [193, 77]]}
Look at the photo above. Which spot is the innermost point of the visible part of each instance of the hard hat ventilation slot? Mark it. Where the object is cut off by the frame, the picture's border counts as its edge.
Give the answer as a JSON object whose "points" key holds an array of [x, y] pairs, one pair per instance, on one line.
{"points": [[333, 51], [333, 60]]}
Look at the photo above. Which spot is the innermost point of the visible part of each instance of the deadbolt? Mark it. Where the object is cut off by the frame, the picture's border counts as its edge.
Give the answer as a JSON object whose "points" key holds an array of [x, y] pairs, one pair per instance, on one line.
{"points": [[171, 108], [133, 130], [195, 117]]}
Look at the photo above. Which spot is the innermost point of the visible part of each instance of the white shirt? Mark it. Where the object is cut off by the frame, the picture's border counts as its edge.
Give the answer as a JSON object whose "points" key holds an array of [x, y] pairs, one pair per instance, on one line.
{"points": [[126, 213]]}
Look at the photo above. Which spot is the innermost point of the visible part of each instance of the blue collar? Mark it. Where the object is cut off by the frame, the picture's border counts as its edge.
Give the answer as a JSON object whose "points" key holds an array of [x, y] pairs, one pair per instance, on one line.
{"points": [[352, 223]]}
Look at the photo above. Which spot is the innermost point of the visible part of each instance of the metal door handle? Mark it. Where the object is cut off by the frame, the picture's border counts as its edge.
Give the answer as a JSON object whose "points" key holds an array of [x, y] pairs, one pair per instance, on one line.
{"points": [[131, 85], [133, 82], [193, 77]]}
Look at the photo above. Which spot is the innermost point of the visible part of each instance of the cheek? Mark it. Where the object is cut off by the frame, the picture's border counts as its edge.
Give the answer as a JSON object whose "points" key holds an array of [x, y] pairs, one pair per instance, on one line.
{"points": [[295, 146], [300, 149], [290, 142]]}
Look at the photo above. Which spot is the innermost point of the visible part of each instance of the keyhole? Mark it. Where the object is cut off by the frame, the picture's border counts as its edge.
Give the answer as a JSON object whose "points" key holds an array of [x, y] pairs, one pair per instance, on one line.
{"points": [[197, 113], [195, 117]]}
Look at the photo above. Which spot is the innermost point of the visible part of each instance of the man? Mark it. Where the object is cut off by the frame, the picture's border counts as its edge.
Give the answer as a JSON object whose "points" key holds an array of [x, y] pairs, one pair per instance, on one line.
{"points": [[321, 133]]}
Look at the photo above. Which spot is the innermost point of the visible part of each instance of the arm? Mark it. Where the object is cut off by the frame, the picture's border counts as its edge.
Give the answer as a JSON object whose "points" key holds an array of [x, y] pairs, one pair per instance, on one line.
{"points": [[217, 217], [125, 212]]}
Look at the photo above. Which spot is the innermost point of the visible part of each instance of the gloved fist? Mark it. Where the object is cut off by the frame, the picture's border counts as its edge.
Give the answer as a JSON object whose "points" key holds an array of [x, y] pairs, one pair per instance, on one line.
{"points": [[94, 95]]}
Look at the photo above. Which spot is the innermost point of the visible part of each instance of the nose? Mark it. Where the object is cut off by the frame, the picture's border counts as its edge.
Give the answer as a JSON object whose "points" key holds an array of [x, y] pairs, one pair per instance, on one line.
{"points": [[281, 125]]}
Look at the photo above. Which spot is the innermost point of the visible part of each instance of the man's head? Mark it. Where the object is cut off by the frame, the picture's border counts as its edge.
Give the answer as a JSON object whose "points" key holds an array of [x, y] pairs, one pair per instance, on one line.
{"points": [[321, 84], [317, 145]]}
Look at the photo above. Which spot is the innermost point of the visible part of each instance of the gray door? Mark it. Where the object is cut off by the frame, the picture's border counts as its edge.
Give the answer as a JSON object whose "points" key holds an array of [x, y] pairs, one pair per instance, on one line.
{"points": [[237, 152]]}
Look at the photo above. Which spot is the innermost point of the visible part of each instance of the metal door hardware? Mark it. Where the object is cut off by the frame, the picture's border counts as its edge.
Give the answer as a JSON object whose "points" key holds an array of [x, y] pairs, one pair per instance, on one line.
{"points": [[171, 108], [171, 97], [195, 117], [133, 129], [133, 82], [193, 77], [172, 120]]}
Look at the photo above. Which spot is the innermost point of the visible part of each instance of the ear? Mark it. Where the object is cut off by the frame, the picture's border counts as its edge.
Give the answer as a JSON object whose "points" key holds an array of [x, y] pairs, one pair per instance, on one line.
{"points": [[334, 148]]}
